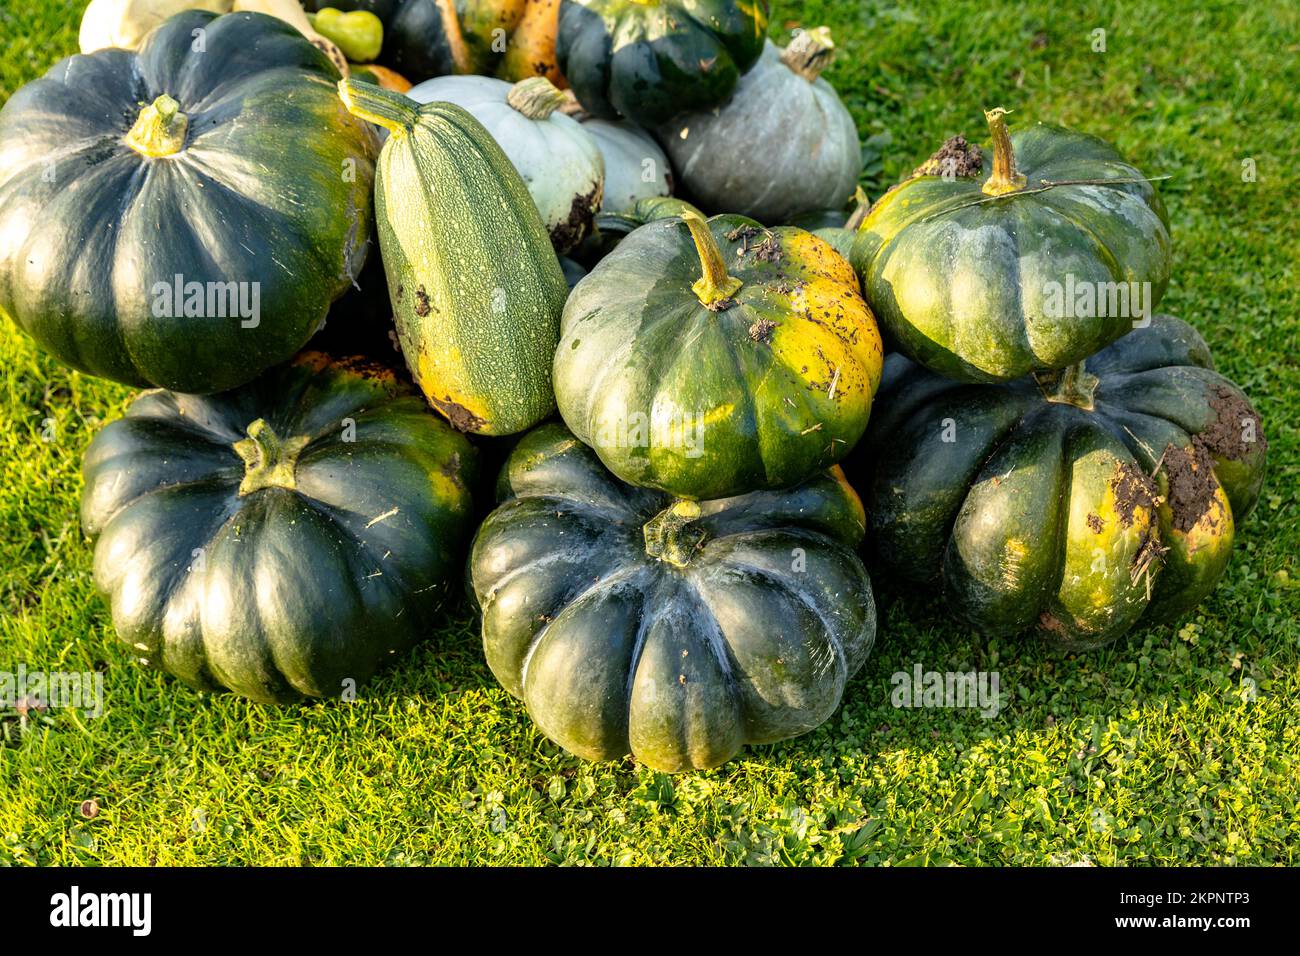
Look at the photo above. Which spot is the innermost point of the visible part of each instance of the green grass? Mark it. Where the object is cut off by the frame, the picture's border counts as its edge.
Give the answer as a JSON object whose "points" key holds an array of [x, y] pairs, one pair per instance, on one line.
{"points": [[1177, 745]]}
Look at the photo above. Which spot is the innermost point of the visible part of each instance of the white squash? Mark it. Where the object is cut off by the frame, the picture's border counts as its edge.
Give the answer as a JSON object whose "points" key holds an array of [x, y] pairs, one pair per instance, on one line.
{"points": [[635, 166], [124, 23], [783, 144], [558, 160]]}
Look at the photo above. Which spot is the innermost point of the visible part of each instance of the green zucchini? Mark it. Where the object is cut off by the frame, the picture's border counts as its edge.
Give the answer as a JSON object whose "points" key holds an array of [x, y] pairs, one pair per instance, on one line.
{"points": [[475, 284]]}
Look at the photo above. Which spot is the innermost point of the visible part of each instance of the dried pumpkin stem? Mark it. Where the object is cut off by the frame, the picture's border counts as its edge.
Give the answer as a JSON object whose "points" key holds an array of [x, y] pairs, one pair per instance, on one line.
{"points": [[854, 222], [1072, 385], [268, 461], [714, 285], [810, 52], [160, 129], [536, 97], [1005, 178], [670, 536]]}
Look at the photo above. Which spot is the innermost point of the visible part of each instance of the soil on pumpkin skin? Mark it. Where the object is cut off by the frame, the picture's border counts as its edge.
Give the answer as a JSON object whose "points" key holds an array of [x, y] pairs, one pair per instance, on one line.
{"points": [[422, 307], [460, 417], [1226, 435], [1192, 484], [577, 226], [1132, 489]]}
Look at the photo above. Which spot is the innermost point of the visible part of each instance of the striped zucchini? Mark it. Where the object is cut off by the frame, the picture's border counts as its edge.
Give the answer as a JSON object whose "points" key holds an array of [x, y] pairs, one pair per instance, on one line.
{"points": [[475, 284]]}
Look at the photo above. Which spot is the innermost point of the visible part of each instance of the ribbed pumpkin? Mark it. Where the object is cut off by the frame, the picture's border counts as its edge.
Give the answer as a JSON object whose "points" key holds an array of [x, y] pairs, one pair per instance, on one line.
{"points": [[972, 265], [475, 284], [783, 144], [648, 60], [283, 539], [672, 630], [1076, 504], [714, 358], [155, 228], [560, 162]]}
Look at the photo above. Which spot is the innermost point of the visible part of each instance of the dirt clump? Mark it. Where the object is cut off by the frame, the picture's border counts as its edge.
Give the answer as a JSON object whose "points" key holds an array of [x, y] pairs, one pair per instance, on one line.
{"points": [[1132, 490], [955, 157], [1192, 485], [460, 417], [1236, 427]]}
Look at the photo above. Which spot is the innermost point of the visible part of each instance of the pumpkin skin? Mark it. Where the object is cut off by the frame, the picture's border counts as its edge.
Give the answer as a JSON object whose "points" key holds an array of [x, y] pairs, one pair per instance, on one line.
{"points": [[966, 281], [648, 60], [278, 582], [88, 255], [474, 282], [626, 627], [783, 144], [1077, 520], [558, 160], [764, 386], [626, 148]]}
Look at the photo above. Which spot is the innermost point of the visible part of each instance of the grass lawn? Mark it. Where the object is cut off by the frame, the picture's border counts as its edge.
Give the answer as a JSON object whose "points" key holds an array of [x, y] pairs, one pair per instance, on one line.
{"points": [[1177, 745]]}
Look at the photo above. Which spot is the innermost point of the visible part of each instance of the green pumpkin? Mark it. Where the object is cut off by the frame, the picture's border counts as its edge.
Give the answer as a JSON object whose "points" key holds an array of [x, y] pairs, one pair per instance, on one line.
{"points": [[1077, 503], [283, 539], [709, 359], [981, 265], [676, 631], [156, 228], [648, 60]]}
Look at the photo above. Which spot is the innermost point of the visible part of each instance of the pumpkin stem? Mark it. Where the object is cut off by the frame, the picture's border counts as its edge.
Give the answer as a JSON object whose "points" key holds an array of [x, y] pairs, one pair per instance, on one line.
{"points": [[714, 285], [393, 111], [669, 535], [536, 97], [1072, 385], [854, 222], [160, 128], [268, 461], [810, 52], [1005, 178]]}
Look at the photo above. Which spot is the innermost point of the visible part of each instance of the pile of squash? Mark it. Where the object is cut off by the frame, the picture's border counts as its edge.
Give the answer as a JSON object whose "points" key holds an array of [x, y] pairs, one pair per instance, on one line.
{"points": [[346, 249]]}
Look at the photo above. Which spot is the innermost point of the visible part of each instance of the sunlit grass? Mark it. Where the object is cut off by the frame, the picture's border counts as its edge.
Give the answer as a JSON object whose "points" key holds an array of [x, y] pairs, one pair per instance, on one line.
{"points": [[1177, 745]]}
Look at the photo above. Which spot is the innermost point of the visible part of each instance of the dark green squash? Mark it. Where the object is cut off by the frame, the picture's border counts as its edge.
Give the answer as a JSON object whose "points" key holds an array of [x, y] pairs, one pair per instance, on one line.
{"points": [[648, 60], [714, 358], [1078, 503], [281, 539], [672, 630], [973, 264], [134, 182]]}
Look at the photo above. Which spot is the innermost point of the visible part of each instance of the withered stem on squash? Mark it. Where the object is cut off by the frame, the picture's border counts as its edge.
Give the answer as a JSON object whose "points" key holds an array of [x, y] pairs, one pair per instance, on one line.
{"points": [[714, 284], [1005, 178]]}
